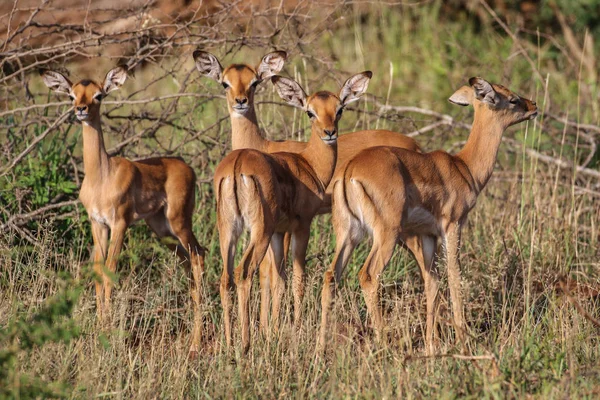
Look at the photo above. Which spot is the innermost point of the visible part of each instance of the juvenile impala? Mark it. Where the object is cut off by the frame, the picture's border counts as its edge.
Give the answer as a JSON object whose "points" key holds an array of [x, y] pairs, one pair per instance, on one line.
{"points": [[275, 193], [240, 82], [399, 195], [117, 192]]}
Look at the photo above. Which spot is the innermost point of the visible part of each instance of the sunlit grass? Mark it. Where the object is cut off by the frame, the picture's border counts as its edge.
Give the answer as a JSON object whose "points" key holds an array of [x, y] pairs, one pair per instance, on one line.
{"points": [[527, 231]]}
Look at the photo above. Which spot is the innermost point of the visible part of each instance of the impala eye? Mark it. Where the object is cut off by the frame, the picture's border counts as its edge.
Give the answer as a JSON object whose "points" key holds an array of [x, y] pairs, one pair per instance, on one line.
{"points": [[225, 85], [310, 114], [339, 113], [72, 97], [99, 97], [514, 100], [255, 84]]}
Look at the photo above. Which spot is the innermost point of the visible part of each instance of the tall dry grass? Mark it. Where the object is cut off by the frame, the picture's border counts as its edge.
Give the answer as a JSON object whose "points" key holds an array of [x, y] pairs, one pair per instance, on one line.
{"points": [[530, 250]]}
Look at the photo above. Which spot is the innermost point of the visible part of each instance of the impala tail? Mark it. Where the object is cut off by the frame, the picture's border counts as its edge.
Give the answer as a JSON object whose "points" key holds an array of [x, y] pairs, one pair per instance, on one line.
{"points": [[353, 208], [239, 195]]}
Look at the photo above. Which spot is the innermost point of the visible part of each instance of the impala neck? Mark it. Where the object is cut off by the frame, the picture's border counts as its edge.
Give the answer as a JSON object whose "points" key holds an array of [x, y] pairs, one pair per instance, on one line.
{"points": [[321, 157], [95, 158], [245, 133], [479, 154]]}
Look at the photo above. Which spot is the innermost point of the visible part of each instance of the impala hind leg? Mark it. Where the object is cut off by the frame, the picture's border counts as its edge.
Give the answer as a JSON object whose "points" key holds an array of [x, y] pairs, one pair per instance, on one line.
{"points": [[280, 245], [100, 236], [183, 231], [287, 240], [299, 245], [228, 238], [424, 250], [178, 212], [369, 275], [264, 275], [278, 277], [161, 227], [255, 252], [191, 254], [346, 241], [230, 225]]}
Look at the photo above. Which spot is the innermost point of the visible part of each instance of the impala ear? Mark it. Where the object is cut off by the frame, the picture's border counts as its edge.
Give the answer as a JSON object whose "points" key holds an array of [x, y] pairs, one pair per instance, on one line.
{"points": [[114, 79], [484, 91], [56, 81], [290, 91], [355, 87], [208, 65], [463, 96], [271, 64]]}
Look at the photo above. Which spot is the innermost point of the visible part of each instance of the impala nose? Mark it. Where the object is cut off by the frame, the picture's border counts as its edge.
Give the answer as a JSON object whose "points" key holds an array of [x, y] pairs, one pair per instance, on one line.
{"points": [[330, 132], [241, 101], [81, 108]]}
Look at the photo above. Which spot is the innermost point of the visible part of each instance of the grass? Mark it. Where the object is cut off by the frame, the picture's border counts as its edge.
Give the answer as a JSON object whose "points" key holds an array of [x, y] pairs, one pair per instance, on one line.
{"points": [[532, 225]]}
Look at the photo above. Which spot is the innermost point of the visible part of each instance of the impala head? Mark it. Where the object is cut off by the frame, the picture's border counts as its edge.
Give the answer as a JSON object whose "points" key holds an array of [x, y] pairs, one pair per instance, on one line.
{"points": [[239, 80], [86, 94], [323, 108], [508, 106]]}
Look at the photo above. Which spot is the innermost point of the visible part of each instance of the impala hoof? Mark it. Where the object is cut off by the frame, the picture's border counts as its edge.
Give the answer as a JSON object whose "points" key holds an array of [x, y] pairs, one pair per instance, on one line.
{"points": [[193, 355]]}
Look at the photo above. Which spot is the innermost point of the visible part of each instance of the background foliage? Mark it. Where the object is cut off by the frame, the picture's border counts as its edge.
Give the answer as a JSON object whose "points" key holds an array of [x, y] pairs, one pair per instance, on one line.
{"points": [[530, 254]]}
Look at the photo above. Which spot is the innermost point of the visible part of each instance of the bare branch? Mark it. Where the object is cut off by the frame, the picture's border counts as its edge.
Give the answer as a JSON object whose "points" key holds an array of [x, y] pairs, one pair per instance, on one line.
{"points": [[33, 144], [22, 219]]}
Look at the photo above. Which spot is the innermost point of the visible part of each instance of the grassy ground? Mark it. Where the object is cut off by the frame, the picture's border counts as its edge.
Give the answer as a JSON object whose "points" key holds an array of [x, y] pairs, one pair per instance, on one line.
{"points": [[533, 225]]}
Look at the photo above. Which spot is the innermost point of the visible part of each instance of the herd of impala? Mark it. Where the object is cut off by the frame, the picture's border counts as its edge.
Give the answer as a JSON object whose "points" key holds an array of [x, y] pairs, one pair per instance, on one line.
{"points": [[374, 182]]}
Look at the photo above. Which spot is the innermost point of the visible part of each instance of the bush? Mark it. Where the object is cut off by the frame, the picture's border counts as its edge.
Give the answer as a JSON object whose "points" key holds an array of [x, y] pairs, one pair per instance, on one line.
{"points": [[23, 335]]}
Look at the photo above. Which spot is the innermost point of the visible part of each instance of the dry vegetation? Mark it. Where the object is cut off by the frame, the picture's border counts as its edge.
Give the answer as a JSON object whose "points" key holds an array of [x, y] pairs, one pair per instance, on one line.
{"points": [[530, 253]]}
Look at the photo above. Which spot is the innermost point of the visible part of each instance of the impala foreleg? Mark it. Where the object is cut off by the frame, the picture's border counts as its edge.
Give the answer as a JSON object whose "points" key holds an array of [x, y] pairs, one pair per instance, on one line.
{"points": [[452, 241], [100, 236], [117, 236]]}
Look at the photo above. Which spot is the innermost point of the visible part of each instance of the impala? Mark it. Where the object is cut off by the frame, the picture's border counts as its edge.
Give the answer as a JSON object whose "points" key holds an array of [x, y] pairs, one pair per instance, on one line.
{"points": [[270, 194], [399, 195], [240, 82], [117, 192]]}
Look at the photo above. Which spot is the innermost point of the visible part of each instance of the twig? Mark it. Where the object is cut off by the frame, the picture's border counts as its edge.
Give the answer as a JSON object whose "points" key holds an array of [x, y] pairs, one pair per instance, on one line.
{"points": [[409, 109], [26, 25], [33, 107], [10, 18], [113, 102], [455, 356], [551, 160], [24, 234], [21, 219], [575, 303], [585, 127], [514, 38]]}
